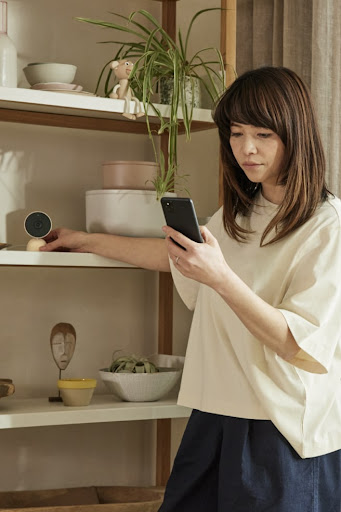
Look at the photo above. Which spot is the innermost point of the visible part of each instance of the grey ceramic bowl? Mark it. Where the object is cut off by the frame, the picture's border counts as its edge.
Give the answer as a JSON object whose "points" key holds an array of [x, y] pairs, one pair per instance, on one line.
{"points": [[45, 72]]}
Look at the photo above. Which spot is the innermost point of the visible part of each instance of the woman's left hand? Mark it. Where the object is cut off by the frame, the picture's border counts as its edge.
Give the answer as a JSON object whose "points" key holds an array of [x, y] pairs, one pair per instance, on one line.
{"points": [[203, 262]]}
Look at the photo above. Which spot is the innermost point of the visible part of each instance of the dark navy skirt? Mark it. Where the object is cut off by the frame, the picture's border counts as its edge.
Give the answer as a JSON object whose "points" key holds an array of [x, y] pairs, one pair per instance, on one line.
{"points": [[229, 464]]}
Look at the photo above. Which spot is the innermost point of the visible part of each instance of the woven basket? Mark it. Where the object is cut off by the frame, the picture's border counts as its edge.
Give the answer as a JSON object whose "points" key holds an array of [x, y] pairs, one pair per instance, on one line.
{"points": [[84, 499]]}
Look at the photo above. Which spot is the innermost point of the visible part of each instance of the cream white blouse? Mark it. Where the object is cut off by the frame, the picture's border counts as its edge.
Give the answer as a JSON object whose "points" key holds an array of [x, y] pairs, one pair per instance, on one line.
{"points": [[230, 372]]}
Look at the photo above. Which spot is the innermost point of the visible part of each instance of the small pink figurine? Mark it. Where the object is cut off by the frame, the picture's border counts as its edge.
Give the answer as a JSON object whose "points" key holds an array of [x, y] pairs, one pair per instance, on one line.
{"points": [[122, 90]]}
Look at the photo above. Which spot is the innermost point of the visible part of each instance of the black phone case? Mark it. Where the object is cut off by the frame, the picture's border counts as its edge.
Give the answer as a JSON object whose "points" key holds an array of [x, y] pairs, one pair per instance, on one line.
{"points": [[180, 215]]}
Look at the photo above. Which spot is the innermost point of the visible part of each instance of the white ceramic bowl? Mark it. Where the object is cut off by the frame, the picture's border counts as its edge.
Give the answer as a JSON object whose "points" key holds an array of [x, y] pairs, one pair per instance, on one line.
{"points": [[124, 212], [46, 72], [141, 387]]}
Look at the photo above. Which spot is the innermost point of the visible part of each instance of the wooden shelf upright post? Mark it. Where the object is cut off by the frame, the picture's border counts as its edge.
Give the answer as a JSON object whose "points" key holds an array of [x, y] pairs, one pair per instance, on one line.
{"points": [[163, 437], [228, 49]]}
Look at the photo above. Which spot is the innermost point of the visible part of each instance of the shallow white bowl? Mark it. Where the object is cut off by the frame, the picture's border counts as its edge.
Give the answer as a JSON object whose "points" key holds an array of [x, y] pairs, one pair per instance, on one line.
{"points": [[141, 387], [50, 72]]}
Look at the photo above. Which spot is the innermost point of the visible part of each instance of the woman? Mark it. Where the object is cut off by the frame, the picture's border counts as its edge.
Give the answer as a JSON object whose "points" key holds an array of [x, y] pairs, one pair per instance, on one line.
{"points": [[263, 361]]}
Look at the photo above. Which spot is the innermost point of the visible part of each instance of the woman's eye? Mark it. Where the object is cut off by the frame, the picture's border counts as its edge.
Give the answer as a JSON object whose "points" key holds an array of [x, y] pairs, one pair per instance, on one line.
{"points": [[264, 135], [235, 134]]}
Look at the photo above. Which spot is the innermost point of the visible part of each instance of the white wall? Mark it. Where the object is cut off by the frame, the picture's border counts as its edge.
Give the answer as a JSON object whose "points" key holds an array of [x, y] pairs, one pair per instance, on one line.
{"points": [[49, 169]]}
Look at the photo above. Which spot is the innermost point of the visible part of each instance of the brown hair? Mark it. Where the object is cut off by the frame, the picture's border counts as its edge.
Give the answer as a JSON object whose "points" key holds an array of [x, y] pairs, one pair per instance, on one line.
{"points": [[277, 99]]}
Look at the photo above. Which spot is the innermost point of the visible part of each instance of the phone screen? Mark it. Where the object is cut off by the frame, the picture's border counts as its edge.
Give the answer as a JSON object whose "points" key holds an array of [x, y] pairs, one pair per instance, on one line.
{"points": [[180, 215]]}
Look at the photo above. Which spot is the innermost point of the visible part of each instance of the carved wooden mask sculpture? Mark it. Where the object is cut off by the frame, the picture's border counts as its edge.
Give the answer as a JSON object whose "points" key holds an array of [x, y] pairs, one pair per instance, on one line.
{"points": [[63, 343]]}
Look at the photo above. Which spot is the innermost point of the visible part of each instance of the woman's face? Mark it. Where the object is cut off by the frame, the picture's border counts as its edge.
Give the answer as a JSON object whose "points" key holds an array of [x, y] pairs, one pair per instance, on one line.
{"points": [[260, 153]]}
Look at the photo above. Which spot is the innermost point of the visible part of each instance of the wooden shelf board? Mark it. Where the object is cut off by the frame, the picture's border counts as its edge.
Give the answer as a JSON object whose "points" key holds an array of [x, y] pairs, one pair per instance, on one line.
{"points": [[57, 259], [121, 125], [82, 112], [38, 412]]}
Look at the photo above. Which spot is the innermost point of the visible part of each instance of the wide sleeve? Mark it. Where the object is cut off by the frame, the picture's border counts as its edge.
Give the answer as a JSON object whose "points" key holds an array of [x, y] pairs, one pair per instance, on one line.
{"points": [[312, 303], [187, 288]]}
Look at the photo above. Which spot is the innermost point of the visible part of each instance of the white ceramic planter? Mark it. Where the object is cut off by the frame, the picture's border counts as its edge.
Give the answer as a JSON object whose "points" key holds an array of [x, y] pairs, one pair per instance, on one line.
{"points": [[124, 212]]}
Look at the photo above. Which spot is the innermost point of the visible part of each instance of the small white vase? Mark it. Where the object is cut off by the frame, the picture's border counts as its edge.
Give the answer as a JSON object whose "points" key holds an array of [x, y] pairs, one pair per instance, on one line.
{"points": [[8, 52], [124, 212]]}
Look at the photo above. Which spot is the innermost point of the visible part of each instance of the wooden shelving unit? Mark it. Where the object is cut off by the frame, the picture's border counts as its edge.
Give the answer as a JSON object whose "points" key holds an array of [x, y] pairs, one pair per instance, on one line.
{"points": [[92, 113], [89, 112]]}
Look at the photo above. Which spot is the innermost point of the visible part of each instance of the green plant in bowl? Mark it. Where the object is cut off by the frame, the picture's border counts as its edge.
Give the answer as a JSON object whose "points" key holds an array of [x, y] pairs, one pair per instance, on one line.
{"points": [[132, 364], [137, 379]]}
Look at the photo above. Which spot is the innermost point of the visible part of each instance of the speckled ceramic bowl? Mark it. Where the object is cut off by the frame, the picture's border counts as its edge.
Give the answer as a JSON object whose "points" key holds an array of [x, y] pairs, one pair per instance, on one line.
{"points": [[141, 387]]}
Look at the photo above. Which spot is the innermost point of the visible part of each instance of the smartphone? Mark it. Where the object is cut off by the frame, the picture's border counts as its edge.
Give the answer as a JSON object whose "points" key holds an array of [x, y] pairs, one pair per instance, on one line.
{"points": [[180, 215]]}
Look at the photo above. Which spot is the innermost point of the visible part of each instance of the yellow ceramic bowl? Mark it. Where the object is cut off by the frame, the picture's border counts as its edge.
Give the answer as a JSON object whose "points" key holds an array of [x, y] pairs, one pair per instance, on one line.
{"points": [[76, 392]]}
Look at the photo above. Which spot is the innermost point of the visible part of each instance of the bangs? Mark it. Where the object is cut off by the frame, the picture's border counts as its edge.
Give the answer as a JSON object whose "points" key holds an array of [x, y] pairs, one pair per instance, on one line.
{"points": [[254, 102], [248, 108]]}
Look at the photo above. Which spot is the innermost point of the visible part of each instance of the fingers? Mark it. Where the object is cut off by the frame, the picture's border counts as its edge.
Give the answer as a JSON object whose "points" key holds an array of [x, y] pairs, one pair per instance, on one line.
{"points": [[50, 246], [179, 248], [206, 234], [53, 235], [53, 240], [175, 237]]}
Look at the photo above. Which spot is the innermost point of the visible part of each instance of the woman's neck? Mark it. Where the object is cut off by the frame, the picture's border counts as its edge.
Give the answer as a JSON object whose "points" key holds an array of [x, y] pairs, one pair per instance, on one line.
{"points": [[274, 194]]}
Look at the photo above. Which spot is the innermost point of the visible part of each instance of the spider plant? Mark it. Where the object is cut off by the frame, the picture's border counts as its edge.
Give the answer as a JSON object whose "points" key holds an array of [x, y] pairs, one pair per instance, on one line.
{"points": [[157, 57]]}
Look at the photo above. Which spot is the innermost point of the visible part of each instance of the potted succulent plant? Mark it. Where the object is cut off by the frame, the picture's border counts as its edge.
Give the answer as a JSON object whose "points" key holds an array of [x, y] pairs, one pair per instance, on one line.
{"points": [[138, 379], [158, 58]]}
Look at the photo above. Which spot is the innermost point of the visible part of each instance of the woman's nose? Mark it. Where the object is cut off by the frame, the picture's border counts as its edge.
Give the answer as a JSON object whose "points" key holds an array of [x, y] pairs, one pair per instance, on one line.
{"points": [[249, 147]]}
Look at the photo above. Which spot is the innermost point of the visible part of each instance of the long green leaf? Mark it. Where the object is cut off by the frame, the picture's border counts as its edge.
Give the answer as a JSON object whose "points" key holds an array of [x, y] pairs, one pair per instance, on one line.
{"points": [[130, 20], [120, 28], [196, 15], [167, 39]]}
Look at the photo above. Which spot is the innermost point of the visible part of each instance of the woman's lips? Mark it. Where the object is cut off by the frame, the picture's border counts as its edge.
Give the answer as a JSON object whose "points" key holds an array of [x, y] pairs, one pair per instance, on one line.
{"points": [[251, 165]]}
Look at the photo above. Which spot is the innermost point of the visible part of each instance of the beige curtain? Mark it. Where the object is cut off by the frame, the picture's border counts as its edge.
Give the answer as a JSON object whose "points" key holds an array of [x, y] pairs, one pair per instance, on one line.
{"points": [[304, 35]]}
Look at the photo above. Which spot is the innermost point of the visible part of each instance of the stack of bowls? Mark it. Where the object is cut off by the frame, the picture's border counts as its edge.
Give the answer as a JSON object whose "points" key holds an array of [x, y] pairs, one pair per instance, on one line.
{"points": [[126, 205]]}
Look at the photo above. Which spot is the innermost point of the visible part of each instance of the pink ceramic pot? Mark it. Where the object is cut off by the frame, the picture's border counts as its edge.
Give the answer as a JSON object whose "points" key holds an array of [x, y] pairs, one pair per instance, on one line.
{"points": [[128, 175]]}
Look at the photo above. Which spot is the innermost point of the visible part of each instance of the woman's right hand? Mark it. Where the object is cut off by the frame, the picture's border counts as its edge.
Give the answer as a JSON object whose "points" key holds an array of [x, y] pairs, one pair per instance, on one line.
{"points": [[63, 239]]}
